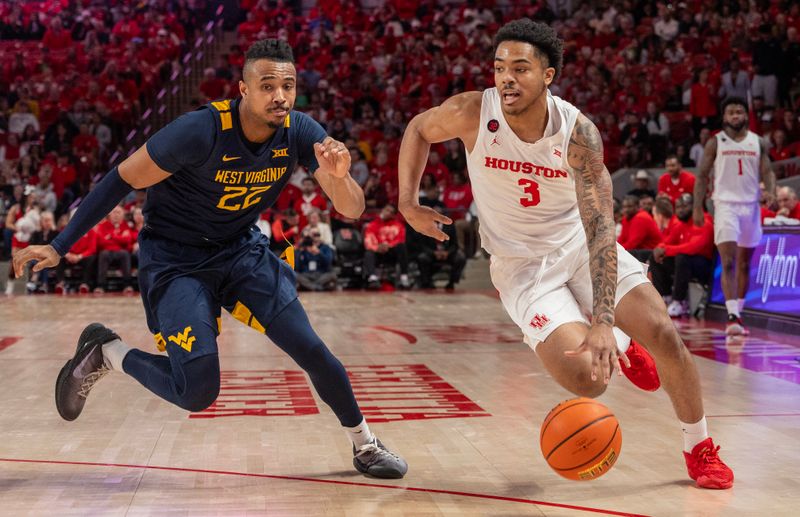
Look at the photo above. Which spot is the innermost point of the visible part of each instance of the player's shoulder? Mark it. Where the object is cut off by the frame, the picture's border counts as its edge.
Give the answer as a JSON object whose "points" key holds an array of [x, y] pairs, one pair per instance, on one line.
{"points": [[466, 103]]}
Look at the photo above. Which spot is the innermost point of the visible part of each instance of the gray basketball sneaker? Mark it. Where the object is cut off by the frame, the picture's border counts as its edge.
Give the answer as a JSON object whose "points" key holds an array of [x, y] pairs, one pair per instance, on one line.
{"points": [[376, 460], [80, 374]]}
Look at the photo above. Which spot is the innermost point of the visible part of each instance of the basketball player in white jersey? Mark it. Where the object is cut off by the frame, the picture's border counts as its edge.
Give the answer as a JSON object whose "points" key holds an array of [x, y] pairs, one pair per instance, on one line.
{"points": [[739, 163], [544, 201]]}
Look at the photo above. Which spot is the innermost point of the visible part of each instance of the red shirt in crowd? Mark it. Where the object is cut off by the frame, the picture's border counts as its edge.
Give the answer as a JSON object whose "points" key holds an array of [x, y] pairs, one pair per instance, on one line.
{"points": [[391, 232], [766, 212], [86, 245], [688, 239], [306, 204], [795, 214], [685, 185], [639, 232], [457, 200], [114, 238]]}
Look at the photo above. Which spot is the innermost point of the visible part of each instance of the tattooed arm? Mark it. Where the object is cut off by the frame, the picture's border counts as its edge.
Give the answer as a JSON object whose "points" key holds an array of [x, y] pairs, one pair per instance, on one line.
{"points": [[595, 202], [701, 184]]}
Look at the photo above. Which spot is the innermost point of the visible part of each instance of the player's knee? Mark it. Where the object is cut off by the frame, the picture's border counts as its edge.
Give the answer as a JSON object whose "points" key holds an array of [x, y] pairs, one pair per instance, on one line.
{"points": [[316, 356], [202, 384], [586, 387], [667, 341], [727, 264]]}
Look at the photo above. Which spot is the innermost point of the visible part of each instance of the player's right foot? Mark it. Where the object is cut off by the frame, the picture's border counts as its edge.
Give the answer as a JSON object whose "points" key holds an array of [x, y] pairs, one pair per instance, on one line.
{"points": [[376, 460], [706, 467], [642, 373], [735, 327], [80, 374]]}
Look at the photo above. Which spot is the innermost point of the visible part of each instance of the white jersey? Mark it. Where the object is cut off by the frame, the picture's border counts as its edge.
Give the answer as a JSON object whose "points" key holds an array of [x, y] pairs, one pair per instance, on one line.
{"points": [[523, 191], [737, 169]]}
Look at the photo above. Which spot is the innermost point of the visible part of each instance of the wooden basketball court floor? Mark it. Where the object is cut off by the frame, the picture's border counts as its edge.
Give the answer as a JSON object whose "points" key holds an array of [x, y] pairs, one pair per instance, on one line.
{"points": [[444, 380]]}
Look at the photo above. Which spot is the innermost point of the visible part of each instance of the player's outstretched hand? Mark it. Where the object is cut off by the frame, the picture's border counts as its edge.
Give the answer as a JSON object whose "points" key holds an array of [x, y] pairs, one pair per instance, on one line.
{"points": [[333, 157], [423, 219], [602, 344], [45, 256]]}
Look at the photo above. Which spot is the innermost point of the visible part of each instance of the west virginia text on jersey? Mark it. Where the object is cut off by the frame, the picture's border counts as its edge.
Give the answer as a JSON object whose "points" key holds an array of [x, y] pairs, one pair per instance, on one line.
{"points": [[220, 182]]}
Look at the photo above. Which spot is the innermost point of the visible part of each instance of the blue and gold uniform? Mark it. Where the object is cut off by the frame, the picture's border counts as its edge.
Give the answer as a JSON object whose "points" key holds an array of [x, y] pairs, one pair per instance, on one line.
{"points": [[199, 250]]}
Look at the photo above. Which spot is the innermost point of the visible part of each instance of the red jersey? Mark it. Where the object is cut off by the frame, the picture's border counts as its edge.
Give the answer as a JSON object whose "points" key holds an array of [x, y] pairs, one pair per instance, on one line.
{"points": [[684, 185], [114, 238], [391, 232], [640, 232], [457, 200], [688, 239]]}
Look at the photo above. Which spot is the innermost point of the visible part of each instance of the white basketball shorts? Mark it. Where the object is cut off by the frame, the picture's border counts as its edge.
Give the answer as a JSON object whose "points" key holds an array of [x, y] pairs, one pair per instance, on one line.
{"points": [[737, 222], [543, 293]]}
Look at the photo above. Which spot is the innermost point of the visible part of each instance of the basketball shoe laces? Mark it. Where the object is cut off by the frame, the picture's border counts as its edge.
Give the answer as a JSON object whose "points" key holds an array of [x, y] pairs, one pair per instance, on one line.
{"points": [[91, 379], [709, 456], [376, 452]]}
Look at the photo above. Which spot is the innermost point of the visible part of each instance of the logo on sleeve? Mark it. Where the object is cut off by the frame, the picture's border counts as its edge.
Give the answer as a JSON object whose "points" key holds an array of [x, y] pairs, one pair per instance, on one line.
{"points": [[280, 153]]}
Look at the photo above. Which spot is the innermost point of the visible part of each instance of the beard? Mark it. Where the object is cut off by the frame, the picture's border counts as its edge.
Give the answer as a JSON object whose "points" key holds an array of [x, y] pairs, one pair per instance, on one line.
{"points": [[736, 127]]}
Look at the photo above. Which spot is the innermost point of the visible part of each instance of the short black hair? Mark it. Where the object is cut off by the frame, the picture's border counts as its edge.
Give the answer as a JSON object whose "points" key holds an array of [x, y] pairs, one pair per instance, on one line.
{"points": [[272, 49], [549, 47], [733, 100]]}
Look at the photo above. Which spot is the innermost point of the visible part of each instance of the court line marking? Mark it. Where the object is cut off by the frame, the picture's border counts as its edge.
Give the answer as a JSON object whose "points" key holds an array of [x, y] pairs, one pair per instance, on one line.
{"points": [[328, 481], [753, 415], [411, 338]]}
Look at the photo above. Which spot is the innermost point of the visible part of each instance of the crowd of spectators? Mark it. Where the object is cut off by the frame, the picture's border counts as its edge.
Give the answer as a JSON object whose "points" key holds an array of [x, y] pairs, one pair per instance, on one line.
{"points": [[649, 74], [74, 78]]}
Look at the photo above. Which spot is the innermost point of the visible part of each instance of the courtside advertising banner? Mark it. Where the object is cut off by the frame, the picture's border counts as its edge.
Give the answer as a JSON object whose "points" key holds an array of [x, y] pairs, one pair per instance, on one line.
{"points": [[774, 275]]}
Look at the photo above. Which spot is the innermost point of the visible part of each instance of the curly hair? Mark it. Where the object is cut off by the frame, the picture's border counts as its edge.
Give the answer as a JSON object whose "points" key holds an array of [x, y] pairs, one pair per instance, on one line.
{"points": [[272, 49], [549, 48], [737, 101]]}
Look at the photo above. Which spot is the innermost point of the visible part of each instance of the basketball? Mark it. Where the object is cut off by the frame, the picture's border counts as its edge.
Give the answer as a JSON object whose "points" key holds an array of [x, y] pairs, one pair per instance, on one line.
{"points": [[580, 439]]}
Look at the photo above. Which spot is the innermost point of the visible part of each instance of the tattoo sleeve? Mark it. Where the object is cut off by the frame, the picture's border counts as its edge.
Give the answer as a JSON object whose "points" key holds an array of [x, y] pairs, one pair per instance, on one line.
{"points": [[595, 202]]}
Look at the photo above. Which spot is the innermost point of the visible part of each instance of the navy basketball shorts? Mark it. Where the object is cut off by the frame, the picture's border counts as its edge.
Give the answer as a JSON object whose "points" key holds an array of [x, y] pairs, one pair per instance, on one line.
{"points": [[185, 287]]}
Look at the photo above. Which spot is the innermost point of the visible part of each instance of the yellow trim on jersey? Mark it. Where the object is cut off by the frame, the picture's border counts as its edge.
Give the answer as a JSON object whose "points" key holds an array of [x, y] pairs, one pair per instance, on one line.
{"points": [[243, 314], [288, 255], [287, 121], [222, 105], [226, 120], [219, 325], [161, 344]]}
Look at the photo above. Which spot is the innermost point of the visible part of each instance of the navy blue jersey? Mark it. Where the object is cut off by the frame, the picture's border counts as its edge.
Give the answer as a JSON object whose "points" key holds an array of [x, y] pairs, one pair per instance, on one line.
{"points": [[218, 185]]}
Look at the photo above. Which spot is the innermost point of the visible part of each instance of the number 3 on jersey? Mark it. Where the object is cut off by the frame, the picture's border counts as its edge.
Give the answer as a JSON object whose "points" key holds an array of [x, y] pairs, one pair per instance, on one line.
{"points": [[531, 188]]}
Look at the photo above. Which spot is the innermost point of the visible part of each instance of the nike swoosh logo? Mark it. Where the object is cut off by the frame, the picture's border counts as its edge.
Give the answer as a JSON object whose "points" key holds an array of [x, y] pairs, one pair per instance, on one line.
{"points": [[226, 158]]}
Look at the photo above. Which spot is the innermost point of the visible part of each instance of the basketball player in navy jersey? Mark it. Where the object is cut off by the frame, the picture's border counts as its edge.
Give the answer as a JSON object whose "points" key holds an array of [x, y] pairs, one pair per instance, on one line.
{"points": [[544, 200], [208, 175], [739, 162]]}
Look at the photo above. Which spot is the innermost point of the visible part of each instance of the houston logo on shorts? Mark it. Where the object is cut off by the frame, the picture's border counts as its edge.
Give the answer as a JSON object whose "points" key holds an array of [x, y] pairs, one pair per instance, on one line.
{"points": [[539, 321]]}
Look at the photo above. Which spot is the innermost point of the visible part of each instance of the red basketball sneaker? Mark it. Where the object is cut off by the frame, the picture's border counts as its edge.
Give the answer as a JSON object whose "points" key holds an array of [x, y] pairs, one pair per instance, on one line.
{"points": [[706, 468], [642, 373]]}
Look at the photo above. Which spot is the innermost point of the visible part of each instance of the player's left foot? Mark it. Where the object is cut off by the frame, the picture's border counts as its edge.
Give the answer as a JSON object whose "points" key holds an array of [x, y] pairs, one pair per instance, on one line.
{"points": [[706, 467], [82, 372], [642, 373], [376, 460], [735, 327]]}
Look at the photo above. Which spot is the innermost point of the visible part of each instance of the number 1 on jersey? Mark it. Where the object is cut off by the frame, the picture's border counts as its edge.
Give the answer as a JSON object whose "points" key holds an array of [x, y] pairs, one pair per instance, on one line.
{"points": [[531, 188], [740, 166]]}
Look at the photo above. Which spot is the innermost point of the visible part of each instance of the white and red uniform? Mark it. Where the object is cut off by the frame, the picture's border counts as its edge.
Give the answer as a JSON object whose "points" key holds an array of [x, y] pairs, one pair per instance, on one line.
{"points": [[530, 224], [737, 171]]}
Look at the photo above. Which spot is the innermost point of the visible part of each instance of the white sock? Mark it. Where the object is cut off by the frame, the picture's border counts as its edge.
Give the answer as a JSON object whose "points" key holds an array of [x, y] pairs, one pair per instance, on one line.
{"points": [[114, 352], [740, 303], [360, 434], [623, 340], [733, 307], [694, 433]]}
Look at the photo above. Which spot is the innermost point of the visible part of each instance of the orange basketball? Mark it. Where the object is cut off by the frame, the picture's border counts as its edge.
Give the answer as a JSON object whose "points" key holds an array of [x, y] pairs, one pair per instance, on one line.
{"points": [[581, 439]]}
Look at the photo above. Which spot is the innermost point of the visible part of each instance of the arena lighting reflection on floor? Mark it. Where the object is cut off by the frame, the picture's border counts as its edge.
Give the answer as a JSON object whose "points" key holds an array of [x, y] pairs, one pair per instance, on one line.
{"points": [[773, 354]]}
